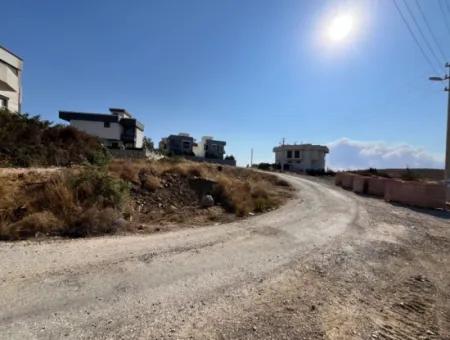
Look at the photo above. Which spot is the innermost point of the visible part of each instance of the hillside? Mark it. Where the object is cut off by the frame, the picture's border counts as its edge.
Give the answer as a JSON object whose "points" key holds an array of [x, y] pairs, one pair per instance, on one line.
{"points": [[131, 196]]}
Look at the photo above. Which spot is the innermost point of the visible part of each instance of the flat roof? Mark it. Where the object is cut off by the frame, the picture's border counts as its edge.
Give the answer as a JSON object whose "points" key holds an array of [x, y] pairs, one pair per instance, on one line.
{"points": [[9, 51], [300, 147], [99, 117]]}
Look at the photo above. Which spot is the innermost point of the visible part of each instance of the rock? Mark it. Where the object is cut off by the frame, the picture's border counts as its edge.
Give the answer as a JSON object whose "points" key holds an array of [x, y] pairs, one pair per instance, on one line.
{"points": [[313, 307], [207, 201]]}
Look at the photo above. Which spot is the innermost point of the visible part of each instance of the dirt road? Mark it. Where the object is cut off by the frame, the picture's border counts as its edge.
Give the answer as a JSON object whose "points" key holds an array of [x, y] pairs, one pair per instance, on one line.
{"points": [[328, 264]]}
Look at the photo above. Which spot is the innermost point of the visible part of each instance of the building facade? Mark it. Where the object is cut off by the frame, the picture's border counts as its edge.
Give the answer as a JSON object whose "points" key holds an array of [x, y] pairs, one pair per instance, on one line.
{"points": [[10, 81], [210, 148], [177, 145], [117, 130], [302, 157]]}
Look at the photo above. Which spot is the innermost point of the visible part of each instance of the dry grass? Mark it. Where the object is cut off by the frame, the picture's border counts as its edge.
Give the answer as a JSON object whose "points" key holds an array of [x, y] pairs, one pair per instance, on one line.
{"points": [[240, 191], [90, 201], [72, 203]]}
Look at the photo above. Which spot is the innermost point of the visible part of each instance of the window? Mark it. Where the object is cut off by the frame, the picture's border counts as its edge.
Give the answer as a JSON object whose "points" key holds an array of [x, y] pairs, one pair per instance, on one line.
{"points": [[3, 102], [106, 124], [186, 145], [297, 154], [289, 154]]}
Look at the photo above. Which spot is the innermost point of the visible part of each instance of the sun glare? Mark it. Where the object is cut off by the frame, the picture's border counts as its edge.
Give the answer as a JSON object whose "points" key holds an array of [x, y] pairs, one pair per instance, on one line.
{"points": [[340, 27]]}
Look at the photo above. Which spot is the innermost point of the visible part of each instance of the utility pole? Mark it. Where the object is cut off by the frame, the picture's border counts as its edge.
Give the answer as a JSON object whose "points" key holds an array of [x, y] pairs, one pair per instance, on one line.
{"points": [[447, 150], [251, 157]]}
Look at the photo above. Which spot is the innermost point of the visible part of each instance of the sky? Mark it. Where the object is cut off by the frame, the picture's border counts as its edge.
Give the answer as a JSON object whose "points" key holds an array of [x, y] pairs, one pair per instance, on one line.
{"points": [[250, 72]]}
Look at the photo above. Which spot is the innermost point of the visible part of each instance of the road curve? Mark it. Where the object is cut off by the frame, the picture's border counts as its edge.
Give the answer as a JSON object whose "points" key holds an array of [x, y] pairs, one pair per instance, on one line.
{"points": [[162, 285]]}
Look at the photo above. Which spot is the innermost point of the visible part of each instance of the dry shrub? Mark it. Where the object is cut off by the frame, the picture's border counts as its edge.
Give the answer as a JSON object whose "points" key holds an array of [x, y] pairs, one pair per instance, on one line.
{"points": [[73, 203], [93, 222], [37, 223], [149, 181], [126, 170]]}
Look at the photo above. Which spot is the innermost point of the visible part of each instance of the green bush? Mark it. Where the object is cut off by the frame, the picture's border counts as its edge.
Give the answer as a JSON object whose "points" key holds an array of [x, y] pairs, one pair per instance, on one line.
{"points": [[30, 141]]}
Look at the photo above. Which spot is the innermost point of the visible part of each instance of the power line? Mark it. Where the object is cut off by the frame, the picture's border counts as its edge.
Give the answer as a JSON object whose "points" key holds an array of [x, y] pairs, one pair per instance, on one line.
{"points": [[427, 58], [441, 51], [425, 39], [444, 14]]}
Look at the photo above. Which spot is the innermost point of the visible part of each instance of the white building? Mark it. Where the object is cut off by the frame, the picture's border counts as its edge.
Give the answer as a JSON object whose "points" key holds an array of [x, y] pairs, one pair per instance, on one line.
{"points": [[300, 157], [117, 130], [208, 147], [10, 81]]}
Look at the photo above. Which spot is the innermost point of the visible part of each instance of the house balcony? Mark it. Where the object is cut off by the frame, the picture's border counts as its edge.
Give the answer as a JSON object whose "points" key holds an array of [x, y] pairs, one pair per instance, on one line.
{"points": [[9, 80]]}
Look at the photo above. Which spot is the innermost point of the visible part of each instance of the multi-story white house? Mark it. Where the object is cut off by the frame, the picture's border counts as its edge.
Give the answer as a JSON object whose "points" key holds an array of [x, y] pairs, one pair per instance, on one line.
{"points": [[117, 130], [301, 157], [10, 80], [208, 147]]}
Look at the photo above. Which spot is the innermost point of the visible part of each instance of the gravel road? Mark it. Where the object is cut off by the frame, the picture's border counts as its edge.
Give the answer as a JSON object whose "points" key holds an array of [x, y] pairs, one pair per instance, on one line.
{"points": [[327, 265]]}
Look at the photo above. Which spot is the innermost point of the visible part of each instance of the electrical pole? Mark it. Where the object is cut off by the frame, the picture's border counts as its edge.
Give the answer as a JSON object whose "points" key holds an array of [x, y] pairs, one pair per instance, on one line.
{"points": [[251, 157], [447, 150]]}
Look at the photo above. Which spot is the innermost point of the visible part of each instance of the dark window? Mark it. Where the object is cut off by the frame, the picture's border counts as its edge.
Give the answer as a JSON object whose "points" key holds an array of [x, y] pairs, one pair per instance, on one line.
{"points": [[106, 124], [289, 154], [297, 154], [186, 145], [3, 102]]}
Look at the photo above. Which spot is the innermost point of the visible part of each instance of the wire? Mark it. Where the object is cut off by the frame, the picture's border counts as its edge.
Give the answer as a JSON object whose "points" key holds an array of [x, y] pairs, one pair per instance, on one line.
{"points": [[422, 34], [427, 58], [444, 14], [433, 36]]}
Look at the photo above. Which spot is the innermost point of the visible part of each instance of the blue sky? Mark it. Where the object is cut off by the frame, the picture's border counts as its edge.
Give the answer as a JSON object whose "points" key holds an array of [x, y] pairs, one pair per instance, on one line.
{"points": [[249, 72]]}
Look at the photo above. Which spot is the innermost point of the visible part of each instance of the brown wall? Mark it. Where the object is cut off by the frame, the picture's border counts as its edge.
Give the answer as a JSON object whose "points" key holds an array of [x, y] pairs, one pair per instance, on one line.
{"points": [[419, 194], [360, 184]]}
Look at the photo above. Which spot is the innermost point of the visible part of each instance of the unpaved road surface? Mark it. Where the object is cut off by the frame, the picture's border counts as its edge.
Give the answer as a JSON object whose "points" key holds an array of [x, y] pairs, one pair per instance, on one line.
{"points": [[327, 265]]}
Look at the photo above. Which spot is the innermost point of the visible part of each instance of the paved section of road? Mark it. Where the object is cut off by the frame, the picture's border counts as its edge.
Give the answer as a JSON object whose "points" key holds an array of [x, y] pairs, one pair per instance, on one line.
{"points": [[328, 264]]}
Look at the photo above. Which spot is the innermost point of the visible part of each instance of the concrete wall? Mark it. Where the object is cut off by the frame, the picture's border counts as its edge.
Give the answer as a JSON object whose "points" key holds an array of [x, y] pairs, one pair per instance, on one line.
{"points": [[134, 154], [11, 80], [419, 194], [347, 181], [98, 129], [376, 186], [139, 139], [360, 184]]}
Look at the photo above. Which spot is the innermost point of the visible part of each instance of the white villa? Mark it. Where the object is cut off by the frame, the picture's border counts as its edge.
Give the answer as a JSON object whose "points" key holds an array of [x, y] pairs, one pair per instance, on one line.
{"points": [[118, 130], [10, 80], [300, 157]]}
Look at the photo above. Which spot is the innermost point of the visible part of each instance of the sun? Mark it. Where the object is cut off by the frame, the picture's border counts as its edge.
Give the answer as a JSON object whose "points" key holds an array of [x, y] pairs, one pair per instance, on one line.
{"points": [[340, 27]]}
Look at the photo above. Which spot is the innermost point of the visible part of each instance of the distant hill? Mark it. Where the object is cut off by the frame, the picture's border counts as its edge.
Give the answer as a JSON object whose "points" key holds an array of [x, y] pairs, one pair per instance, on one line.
{"points": [[30, 141], [408, 174]]}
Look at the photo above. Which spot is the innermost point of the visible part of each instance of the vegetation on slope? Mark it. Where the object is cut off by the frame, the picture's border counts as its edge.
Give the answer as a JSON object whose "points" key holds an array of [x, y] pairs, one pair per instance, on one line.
{"points": [[30, 141], [130, 196]]}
